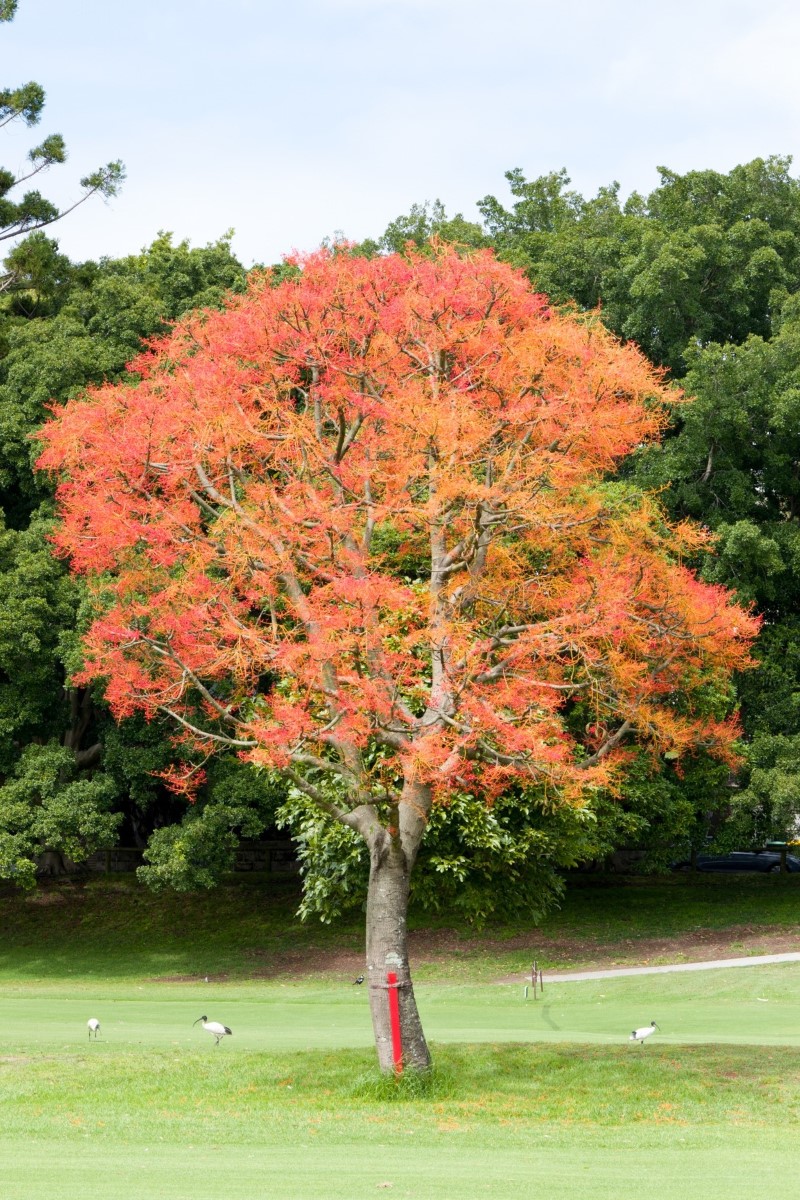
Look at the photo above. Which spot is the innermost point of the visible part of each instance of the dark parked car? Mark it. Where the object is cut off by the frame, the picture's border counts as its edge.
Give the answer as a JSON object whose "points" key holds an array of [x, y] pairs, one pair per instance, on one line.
{"points": [[741, 860]]}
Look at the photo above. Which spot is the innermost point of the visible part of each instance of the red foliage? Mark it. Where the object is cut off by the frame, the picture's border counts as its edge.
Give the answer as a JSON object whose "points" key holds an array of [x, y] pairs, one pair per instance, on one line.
{"points": [[368, 507]]}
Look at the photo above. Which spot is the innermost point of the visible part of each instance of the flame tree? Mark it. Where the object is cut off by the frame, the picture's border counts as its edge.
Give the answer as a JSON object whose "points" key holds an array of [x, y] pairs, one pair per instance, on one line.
{"points": [[359, 525]]}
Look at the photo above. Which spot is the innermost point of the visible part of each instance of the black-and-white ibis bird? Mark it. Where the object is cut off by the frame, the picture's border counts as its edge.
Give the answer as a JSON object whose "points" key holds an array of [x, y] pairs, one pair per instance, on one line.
{"points": [[214, 1027], [639, 1035], [94, 1026]]}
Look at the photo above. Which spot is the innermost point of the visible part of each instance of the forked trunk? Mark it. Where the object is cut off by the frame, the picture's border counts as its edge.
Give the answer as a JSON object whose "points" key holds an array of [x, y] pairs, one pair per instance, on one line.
{"points": [[387, 951]]}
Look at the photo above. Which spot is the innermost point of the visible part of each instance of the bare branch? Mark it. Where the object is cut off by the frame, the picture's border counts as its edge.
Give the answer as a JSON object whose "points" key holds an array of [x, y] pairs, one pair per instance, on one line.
{"points": [[205, 734]]}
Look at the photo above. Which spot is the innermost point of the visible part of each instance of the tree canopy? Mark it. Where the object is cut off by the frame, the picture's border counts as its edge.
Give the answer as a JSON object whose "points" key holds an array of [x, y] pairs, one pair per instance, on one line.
{"points": [[358, 525]]}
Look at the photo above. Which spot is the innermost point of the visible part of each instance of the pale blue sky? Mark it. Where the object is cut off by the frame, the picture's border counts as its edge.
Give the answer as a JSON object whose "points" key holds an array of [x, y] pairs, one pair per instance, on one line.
{"points": [[291, 121]]}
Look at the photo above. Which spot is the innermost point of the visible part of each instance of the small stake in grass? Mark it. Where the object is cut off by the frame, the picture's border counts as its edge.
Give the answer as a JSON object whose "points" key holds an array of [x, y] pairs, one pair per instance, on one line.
{"points": [[536, 980], [639, 1035], [215, 1028], [94, 1026]]}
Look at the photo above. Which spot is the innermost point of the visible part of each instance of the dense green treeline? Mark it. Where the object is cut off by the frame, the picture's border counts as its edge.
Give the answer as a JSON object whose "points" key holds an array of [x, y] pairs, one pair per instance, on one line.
{"points": [[704, 274]]}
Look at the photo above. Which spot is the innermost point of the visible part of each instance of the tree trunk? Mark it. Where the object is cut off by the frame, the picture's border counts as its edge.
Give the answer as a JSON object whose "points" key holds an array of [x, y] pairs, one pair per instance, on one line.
{"points": [[81, 711], [387, 950]]}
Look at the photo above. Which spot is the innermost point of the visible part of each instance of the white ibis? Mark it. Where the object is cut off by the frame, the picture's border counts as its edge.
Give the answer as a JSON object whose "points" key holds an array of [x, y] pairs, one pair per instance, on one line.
{"points": [[94, 1026], [215, 1028], [639, 1035]]}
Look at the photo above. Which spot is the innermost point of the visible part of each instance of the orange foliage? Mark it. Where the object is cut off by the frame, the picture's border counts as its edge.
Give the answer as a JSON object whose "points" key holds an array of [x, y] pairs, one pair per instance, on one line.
{"points": [[366, 507]]}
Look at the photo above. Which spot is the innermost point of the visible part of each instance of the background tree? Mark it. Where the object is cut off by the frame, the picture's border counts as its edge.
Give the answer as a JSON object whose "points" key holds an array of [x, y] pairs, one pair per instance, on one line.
{"points": [[31, 211], [237, 514], [64, 326], [732, 462], [705, 257], [421, 224]]}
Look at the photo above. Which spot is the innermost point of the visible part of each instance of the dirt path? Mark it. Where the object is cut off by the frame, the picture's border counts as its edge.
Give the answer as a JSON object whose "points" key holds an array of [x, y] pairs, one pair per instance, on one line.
{"points": [[564, 956], [561, 957], [568, 956]]}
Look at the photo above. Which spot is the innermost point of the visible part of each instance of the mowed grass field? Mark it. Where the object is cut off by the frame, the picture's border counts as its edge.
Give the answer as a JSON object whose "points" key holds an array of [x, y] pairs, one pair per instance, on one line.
{"points": [[545, 1096]]}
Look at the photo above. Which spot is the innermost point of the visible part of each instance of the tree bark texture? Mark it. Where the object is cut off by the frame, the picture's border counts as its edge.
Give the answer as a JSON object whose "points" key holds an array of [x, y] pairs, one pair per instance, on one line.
{"points": [[387, 950]]}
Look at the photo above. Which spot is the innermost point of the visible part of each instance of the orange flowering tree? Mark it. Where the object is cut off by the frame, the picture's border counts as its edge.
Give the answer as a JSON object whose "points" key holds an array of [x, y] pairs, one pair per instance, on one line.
{"points": [[359, 526]]}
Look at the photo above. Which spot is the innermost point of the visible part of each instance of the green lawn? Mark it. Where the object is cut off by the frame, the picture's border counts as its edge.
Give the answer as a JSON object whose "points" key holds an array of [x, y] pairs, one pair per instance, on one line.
{"points": [[542, 1097], [580, 1121], [368, 1162], [757, 1005], [524, 1094]]}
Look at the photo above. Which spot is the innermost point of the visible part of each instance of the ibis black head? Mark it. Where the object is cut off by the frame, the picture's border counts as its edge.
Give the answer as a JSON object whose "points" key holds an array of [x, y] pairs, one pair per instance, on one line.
{"points": [[199, 1019], [652, 1023]]}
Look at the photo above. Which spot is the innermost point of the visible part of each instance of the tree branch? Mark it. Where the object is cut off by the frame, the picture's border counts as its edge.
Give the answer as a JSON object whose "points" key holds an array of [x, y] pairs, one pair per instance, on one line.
{"points": [[607, 746]]}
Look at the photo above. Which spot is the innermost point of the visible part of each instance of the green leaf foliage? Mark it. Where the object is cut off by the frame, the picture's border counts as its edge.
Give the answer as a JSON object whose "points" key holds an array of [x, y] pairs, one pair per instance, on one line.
{"points": [[504, 860], [195, 852], [476, 861], [768, 807], [662, 812], [423, 222], [39, 602], [705, 257], [334, 860], [45, 805], [732, 461]]}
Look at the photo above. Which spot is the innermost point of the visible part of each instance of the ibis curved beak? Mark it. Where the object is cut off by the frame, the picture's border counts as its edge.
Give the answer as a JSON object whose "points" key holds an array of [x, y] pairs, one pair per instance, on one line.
{"points": [[199, 1019]]}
